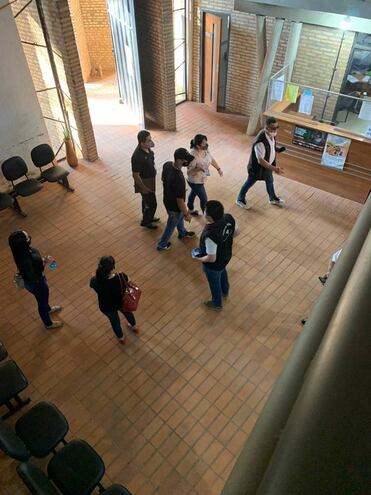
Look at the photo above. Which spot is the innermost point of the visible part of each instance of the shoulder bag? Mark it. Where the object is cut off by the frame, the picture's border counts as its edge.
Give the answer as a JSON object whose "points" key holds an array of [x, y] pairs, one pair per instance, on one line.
{"points": [[130, 294]]}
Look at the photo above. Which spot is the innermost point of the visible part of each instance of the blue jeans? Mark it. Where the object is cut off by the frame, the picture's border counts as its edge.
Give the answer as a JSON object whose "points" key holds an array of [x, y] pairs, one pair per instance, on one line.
{"points": [[40, 290], [251, 181], [218, 283], [114, 318], [175, 220], [197, 190]]}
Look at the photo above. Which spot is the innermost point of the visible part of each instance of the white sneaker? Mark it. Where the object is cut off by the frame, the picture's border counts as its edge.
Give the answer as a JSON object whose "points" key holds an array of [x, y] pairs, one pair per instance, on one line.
{"points": [[55, 309], [278, 202], [242, 204], [55, 324]]}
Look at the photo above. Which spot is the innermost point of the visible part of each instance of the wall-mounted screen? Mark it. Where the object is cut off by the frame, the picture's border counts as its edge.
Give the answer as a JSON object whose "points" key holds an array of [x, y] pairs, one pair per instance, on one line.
{"points": [[309, 138]]}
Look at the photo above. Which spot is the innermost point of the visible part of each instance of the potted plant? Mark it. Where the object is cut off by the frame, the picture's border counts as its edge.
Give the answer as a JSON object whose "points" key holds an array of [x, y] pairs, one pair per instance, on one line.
{"points": [[70, 150]]}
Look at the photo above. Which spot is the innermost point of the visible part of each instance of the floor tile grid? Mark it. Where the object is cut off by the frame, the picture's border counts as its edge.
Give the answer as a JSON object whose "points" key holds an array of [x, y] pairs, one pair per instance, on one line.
{"points": [[176, 410]]}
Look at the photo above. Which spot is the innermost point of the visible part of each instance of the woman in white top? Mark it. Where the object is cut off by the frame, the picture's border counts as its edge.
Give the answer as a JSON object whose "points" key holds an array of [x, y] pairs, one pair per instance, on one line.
{"points": [[198, 170]]}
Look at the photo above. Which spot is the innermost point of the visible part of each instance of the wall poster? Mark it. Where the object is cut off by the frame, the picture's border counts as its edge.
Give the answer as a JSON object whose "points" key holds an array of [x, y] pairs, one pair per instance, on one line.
{"points": [[335, 152], [309, 138]]}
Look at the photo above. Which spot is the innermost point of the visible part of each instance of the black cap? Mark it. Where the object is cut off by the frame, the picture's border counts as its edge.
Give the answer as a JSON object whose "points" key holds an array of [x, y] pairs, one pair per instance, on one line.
{"points": [[182, 154]]}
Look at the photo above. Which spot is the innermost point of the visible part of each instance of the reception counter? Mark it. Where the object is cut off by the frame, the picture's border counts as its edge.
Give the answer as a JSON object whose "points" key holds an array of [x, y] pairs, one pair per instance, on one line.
{"points": [[302, 160]]}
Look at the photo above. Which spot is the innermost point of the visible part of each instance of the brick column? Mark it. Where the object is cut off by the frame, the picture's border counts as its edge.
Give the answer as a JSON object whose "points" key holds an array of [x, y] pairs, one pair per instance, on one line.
{"points": [[154, 23], [63, 31]]}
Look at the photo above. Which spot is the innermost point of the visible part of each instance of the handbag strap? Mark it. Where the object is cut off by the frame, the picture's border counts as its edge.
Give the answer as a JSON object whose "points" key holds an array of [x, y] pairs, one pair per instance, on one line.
{"points": [[123, 283]]}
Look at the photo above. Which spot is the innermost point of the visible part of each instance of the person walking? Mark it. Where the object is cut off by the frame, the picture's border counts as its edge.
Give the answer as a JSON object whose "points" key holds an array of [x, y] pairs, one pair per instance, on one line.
{"points": [[31, 266], [215, 251], [198, 171], [110, 291], [174, 198], [144, 174], [262, 164]]}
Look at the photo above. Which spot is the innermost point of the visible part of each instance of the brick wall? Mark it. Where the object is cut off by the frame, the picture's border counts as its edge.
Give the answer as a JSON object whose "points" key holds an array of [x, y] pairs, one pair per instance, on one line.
{"points": [[318, 49], [29, 29], [98, 34], [154, 23], [61, 33], [80, 35], [315, 59], [243, 74]]}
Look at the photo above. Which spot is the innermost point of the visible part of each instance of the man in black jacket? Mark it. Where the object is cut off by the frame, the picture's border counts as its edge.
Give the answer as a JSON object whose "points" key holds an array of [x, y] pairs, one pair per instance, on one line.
{"points": [[144, 175], [216, 248], [262, 164]]}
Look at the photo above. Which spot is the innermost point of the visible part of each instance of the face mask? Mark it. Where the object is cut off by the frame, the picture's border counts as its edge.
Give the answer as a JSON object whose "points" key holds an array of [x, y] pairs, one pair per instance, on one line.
{"points": [[271, 133], [151, 144], [204, 146]]}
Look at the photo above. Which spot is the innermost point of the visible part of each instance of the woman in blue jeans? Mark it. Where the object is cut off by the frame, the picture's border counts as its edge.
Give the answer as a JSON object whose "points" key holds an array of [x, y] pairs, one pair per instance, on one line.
{"points": [[108, 286], [198, 171], [31, 266]]}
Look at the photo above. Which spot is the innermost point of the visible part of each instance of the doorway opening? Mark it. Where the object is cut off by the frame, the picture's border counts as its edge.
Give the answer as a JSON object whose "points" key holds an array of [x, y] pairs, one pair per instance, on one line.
{"points": [[180, 37], [214, 58]]}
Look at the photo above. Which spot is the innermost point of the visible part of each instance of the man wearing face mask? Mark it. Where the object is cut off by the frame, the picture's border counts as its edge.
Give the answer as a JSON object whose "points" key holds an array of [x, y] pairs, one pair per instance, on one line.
{"points": [[262, 164], [144, 174], [174, 198]]}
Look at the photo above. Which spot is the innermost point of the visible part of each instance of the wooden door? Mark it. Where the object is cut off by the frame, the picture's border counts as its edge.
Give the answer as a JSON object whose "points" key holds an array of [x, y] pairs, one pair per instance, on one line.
{"points": [[211, 56]]}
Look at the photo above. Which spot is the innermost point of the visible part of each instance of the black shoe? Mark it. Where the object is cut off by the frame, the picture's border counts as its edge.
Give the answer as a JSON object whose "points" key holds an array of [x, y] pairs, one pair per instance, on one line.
{"points": [[166, 248], [194, 213], [303, 321], [187, 234], [149, 226], [323, 280], [155, 219]]}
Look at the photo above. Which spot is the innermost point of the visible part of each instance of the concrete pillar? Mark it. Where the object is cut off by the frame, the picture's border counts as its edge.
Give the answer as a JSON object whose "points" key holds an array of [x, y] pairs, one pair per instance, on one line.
{"points": [[264, 76], [22, 126], [261, 47], [292, 47], [261, 40], [65, 36]]}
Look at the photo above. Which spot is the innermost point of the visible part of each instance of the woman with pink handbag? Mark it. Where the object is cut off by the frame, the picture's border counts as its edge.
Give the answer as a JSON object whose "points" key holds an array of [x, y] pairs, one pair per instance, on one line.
{"points": [[115, 293]]}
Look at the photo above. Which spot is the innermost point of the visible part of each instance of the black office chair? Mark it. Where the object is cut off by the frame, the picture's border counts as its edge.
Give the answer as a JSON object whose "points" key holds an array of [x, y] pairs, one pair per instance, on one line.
{"points": [[76, 469], [12, 445], [13, 169], [8, 201], [43, 155], [3, 352], [35, 479], [116, 490], [12, 382], [39, 484], [42, 428]]}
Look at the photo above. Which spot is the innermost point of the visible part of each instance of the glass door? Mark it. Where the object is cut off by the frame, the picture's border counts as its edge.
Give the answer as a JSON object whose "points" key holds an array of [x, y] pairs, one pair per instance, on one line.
{"points": [[124, 37], [180, 49]]}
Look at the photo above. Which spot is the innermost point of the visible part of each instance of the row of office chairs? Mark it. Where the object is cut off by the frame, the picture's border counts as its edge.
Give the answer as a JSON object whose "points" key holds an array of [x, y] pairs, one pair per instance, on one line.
{"points": [[15, 168], [74, 469]]}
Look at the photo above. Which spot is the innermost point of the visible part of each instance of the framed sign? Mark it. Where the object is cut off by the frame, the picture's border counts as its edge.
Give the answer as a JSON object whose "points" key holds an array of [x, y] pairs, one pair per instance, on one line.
{"points": [[335, 152], [309, 138]]}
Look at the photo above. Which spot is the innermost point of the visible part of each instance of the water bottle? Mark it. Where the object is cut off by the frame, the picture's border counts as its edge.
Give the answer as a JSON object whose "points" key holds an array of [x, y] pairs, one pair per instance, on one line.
{"points": [[53, 265]]}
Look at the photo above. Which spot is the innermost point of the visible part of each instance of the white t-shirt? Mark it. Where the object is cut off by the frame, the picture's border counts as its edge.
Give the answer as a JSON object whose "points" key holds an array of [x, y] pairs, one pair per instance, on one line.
{"points": [[260, 149], [336, 255], [201, 162]]}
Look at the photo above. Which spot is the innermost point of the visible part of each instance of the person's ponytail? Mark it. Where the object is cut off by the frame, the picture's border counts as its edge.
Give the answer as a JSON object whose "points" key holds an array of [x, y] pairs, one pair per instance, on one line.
{"points": [[192, 144], [105, 266]]}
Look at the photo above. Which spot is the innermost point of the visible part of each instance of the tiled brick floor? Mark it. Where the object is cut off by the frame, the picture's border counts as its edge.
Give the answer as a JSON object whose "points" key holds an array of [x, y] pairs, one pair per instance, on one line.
{"points": [[170, 412]]}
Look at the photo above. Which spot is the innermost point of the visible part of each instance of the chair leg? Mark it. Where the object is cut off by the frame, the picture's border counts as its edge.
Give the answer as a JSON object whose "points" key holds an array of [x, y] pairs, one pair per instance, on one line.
{"points": [[64, 182], [17, 207], [20, 401], [11, 410]]}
